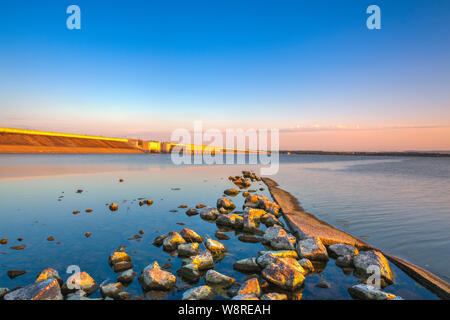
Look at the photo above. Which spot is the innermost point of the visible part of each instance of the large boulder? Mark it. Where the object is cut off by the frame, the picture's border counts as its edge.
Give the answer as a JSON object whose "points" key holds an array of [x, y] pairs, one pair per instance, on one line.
{"points": [[217, 279], [209, 213], [251, 286], [199, 293], [190, 235], [247, 265], [342, 249], [312, 249], [373, 259], [42, 290], [154, 278], [284, 274], [49, 273], [368, 292], [172, 241], [79, 281], [279, 238]]}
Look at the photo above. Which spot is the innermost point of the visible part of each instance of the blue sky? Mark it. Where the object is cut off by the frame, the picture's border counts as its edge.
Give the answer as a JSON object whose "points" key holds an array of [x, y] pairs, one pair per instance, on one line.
{"points": [[143, 68]]}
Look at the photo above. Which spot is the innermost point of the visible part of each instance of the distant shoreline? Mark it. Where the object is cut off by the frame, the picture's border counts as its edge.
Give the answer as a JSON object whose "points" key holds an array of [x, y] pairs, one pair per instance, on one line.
{"points": [[363, 153]]}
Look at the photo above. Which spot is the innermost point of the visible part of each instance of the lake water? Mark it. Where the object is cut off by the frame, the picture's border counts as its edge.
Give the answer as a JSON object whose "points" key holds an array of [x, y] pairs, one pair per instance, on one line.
{"points": [[399, 205]]}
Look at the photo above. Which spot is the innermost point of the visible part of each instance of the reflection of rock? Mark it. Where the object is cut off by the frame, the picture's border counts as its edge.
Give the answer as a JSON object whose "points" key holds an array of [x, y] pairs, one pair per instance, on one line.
{"points": [[122, 266], [199, 293], [190, 235], [374, 260], [274, 296], [279, 238], [341, 249], [209, 213], [249, 239], [154, 278], [368, 292], [188, 249], [172, 241], [156, 294], [217, 279], [42, 290], [312, 249], [284, 274], [221, 235], [251, 287], [247, 265], [306, 265], [79, 281], [49, 273]]}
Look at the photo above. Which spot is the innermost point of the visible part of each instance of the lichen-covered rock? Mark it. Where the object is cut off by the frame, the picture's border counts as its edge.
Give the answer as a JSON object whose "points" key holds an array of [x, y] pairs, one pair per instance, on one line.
{"points": [[204, 261], [306, 265], [189, 272], [192, 212], [247, 265], [154, 278], [342, 249], [172, 241], [215, 246], [118, 256], [249, 224], [79, 281], [251, 287], [190, 235], [284, 274], [3, 292], [49, 273], [255, 214], [226, 203], [281, 253], [42, 290], [245, 297], [231, 192], [188, 249], [122, 266], [274, 296], [368, 292], [230, 220], [111, 289], [279, 238], [199, 293], [270, 220], [344, 261], [158, 241], [312, 249], [126, 276], [217, 279], [374, 259], [209, 213]]}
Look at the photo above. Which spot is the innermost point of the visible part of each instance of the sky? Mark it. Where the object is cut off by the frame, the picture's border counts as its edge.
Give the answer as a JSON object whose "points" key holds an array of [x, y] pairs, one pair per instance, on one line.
{"points": [[311, 69]]}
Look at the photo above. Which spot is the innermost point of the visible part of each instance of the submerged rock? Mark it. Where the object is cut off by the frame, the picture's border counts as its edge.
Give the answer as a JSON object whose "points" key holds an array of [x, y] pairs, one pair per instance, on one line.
{"points": [[274, 296], [312, 249], [284, 274], [192, 212], [215, 246], [247, 265], [80, 281], [249, 238], [373, 259], [42, 290], [323, 284], [49, 273], [217, 279], [368, 292], [172, 241], [279, 238], [190, 235], [188, 249], [209, 213], [199, 293], [154, 278], [122, 266], [341, 249], [221, 235], [251, 287]]}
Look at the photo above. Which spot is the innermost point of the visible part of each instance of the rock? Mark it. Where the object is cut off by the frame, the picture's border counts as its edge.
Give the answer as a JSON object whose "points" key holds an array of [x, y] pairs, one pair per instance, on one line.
{"points": [[126, 276], [341, 249], [149, 202], [255, 214], [192, 212], [344, 261], [247, 265], [122, 266], [119, 256], [113, 206], [188, 249], [141, 231], [79, 281], [368, 292], [245, 297], [252, 200], [280, 239], [123, 295], [215, 246], [209, 213], [323, 284], [245, 194], [49, 273], [182, 206], [158, 241], [3, 292], [15, 273], [204, 261], [18, 247], [221, 235], [231, 192], [51, 238], [172, 241], [87, 234], [76, 212], [274, 296], [281, 253], [306, 265], [89, 210], [251, 287], [249, 224], [270, 220], [111, 289], [199, 293], [226, 204], [189, 272], [230, 220], [373, 258], [200, 206], [284, 275], [312, 249], [154, 278], [190, 235], [42, 290], [249, 239], [217, 279]]}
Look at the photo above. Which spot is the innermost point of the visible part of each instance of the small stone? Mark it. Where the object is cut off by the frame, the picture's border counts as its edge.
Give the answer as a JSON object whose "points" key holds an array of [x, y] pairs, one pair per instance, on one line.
{"points": [[87, 234], [221, 235], [79, 281], [231, 192], [89, 210], [3, 292], [199, 293], [370, 259], [113, 206], [217, 279], [274, 296], [182, 206], [154, 278], [79, 191], [126, 276], [200, 206], [76, 212], [111, 289], [306, 264], [226, 204], [190, 235], [368, 292], [189, 272], [192, 212], [141, 232], [204, 261], [18, 247], [215, 246], [247, 265], [4, 241], [15, 273], [323, 284], [51, 238], [312, 249]]}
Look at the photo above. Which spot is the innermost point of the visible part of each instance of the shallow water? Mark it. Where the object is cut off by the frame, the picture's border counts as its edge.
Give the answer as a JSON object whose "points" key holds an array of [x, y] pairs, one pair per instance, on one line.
{"points": [[31, 208]]}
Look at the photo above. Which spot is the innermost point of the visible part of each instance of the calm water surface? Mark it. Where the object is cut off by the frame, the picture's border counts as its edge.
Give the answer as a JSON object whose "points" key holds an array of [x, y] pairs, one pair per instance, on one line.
{"points": [[388, 201]]}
